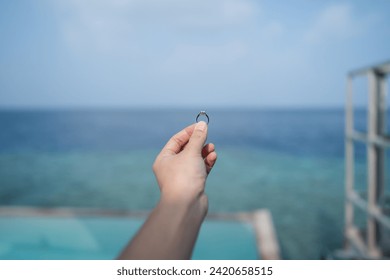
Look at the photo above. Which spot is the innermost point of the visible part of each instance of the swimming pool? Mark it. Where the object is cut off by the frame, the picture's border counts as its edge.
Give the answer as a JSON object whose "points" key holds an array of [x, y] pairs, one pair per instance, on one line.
{"points": [[101, 238]]}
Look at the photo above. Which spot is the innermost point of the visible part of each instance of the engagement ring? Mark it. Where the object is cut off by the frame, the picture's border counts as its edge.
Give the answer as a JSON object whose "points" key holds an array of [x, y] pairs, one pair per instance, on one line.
{"points": [[202, 113]]}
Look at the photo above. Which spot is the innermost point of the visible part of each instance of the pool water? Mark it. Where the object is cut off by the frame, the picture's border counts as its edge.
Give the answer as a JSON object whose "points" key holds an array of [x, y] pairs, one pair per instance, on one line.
{"points": [[97, 238]]}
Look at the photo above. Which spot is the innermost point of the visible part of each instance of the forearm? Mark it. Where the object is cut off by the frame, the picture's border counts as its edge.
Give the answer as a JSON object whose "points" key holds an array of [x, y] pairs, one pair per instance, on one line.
{"points": [[170, 231]]}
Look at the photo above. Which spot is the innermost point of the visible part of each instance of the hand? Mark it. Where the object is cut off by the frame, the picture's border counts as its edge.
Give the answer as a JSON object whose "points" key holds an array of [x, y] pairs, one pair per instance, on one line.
{"points": [[181, 170], [182, 166]]}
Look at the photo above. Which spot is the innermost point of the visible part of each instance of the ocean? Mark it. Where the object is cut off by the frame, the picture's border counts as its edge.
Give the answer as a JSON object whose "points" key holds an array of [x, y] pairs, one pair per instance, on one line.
{"points": [[287, 160]]}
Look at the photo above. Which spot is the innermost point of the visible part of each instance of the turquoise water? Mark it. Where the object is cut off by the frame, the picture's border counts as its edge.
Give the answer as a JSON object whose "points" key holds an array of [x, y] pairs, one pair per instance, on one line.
{"points": [[289, 161], [103, 238], [307, 210]]}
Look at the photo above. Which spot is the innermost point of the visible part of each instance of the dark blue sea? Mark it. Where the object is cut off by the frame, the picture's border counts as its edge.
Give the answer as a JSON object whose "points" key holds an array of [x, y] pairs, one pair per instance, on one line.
{"points": [[289, 161]]}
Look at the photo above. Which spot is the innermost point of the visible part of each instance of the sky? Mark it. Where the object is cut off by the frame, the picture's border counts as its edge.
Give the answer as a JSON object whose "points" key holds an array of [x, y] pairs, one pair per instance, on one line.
{"points": [[193, 53]]}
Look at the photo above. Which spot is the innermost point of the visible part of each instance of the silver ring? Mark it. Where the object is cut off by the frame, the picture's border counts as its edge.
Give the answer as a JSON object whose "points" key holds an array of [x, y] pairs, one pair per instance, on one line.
{"points": [[203, 113]]}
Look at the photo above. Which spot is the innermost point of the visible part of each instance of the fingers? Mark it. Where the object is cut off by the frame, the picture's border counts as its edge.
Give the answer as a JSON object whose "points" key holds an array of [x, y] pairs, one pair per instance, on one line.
{"points": [[207, 149], [178, 141], [198, 138], [210, 156], [210, 160]]}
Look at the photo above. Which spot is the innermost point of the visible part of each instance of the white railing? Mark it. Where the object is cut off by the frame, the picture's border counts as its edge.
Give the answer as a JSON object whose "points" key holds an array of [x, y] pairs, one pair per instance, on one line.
{"points": [[372, 241]]}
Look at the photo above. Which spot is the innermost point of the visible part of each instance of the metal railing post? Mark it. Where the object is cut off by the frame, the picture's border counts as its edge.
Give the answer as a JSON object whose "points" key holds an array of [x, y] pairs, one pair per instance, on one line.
{"points": [[349, 162]]}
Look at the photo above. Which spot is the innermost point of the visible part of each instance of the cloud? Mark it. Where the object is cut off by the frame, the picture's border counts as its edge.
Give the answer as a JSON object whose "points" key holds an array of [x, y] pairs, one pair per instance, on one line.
{"points": [[272, 31], [93, 26], [204, 14], [336, 22], [117, 25], [190, 57]]}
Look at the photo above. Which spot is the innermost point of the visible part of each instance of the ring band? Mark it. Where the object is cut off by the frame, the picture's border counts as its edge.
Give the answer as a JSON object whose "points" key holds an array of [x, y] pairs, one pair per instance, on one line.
{"points": [[203, 113]]}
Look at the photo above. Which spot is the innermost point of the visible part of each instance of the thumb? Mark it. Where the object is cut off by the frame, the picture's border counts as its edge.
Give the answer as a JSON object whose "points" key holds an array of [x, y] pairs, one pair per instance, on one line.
{"points": [[198, 138]]}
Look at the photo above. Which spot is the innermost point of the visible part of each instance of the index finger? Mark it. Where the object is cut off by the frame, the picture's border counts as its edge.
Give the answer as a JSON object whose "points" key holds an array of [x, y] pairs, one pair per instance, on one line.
{"points": [[178, 141]]}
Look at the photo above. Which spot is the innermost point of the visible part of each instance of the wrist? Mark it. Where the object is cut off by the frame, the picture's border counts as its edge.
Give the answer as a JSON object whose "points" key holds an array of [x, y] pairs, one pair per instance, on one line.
{"points": [[197, 206]]}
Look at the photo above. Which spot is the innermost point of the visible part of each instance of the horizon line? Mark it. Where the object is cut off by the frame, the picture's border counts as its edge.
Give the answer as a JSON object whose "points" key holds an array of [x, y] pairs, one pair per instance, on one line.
{"points": [[197, 107]]}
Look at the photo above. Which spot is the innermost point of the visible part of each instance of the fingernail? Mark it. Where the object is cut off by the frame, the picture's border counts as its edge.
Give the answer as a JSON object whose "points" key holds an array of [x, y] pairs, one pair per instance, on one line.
{"points": [[201, 126]]}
